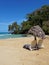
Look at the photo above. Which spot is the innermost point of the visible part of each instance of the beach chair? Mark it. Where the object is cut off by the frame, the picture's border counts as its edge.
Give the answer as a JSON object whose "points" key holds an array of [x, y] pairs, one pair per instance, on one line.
{"points": [[33, 43], [31, 46], [40, 45]]}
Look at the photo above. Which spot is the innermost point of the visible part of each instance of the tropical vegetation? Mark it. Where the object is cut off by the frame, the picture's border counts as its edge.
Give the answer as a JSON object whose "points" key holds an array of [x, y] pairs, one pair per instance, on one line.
{"points": [[38, 17]]}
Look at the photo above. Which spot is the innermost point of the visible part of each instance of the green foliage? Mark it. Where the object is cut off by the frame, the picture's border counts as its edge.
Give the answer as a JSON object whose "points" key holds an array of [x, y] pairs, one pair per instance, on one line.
{"points": [[25, 26], [14, 28], [38, 17], [46, 27]]}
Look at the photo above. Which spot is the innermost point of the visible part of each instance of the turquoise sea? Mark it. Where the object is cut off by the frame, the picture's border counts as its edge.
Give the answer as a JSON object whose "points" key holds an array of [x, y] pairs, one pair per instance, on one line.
{"points": [[6, 35]]}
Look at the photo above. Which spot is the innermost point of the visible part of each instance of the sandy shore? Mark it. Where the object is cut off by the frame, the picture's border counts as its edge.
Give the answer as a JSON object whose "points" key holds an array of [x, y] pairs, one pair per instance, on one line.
{"points": [[12, 52]]}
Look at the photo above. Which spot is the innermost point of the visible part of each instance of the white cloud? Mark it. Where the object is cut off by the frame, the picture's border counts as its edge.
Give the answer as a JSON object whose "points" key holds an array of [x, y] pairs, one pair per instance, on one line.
{"points": [[6, 23], [3, 23]]}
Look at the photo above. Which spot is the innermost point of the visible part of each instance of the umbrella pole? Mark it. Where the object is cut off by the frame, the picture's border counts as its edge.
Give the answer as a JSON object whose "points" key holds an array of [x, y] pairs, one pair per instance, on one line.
{"points": [[36, 43], [35, 37]]}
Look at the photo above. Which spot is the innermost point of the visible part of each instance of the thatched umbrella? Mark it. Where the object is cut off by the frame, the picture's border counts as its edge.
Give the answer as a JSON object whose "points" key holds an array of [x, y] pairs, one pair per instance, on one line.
{"points": [[37, 32]]}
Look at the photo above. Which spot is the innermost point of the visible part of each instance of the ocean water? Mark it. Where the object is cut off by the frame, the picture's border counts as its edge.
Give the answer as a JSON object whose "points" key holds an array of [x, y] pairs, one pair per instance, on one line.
{"points": [[5, 35]]}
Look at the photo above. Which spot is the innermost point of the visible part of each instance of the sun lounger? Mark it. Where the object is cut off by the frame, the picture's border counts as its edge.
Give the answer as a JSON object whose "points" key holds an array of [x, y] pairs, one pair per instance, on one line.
{"points": [[40, 45]]}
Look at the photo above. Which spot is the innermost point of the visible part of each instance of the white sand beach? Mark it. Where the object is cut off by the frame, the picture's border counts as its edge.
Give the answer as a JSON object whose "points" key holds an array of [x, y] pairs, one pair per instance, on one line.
{"points": [[13, 53]]}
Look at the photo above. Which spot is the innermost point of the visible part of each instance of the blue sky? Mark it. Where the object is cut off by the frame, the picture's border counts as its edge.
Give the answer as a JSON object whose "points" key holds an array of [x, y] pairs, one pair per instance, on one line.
{"points": [[16, 10]]}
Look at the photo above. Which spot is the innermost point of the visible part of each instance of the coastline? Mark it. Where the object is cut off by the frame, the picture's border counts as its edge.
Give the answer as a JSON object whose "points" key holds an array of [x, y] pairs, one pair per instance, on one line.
{"points": [[12, 52]]}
